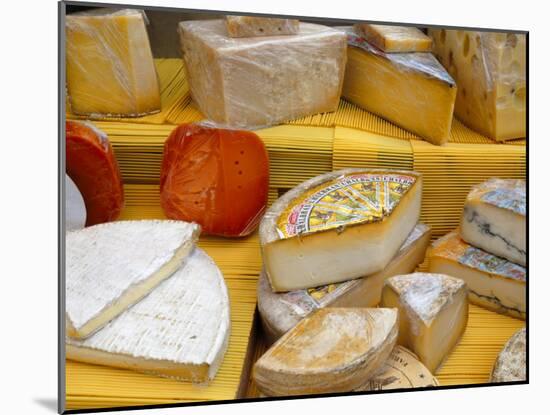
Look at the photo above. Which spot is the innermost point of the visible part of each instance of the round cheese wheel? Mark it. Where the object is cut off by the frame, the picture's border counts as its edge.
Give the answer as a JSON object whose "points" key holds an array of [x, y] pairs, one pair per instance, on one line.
{"points": [[75, 210]]}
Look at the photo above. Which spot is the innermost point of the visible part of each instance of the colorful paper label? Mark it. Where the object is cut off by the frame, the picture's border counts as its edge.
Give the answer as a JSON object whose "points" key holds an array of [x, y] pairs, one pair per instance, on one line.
{"points": [[508, 198]]}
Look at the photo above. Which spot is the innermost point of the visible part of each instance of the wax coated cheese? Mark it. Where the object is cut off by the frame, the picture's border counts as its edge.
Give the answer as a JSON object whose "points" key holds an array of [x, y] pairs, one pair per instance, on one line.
{"points": [[75, 210], [260, 81], [433, 312], [395, 38], [332, 350], [251, 26], [511, 363], [493, 282], [411, 90], [180, 330], [280, 312], [112, 266], [110, 67], [494, 219], [338, 226], [490, 71]]}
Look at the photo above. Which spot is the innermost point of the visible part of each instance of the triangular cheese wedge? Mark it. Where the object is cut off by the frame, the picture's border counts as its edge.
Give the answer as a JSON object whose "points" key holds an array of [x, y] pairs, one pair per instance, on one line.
{"points": [[111, 266]]}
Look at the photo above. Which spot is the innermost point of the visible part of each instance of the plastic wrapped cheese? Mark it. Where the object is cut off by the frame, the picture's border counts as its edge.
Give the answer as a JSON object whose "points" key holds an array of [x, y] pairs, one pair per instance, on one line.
{"points": [[252, 26], [260, 81]]}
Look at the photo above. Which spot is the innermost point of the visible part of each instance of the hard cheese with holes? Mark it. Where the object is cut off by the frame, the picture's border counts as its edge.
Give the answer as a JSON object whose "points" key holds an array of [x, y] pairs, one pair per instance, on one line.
{"points": [[252, 26]]}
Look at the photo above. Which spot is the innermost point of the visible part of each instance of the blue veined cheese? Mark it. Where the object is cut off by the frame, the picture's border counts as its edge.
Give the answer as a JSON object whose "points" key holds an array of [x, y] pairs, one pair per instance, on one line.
{"points": [[180, 330], [494, 219], [511, 363], [75, 209], [111, 266]]}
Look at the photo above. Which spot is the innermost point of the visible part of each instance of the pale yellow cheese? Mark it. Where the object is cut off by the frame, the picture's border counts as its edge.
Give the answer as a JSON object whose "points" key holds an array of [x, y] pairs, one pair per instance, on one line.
{"points": [[395, 38], [252, 26]]}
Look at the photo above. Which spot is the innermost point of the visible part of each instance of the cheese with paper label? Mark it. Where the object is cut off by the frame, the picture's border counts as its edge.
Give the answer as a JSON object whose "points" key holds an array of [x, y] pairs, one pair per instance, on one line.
{"points": [[395, 38], [253, 26], [511, 363]]}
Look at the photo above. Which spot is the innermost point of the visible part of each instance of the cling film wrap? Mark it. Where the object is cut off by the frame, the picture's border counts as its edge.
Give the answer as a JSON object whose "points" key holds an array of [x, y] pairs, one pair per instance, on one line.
{"points": [[110, 66], [509, 194], [251, 26], [256, 82]]}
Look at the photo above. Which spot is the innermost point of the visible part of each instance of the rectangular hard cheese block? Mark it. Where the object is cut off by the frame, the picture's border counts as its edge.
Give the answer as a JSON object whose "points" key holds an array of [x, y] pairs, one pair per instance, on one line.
{"points": [[112, 266], [493, 282], [490, 71], [395, 38], [338, 226], [180, 330], [250, 26], [411, 90], [254, 82], [110, 68], [494, 219], [433, 313]]}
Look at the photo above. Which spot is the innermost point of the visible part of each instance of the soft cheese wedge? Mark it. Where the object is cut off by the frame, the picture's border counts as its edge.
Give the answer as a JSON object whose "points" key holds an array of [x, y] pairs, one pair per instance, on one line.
{"points": [[280, 312], [252, 26], [433, 312], [112, 266], [493, 282], [180, 330], [395, 38], [494, 219], [332, 350], [511, 363], [338, 226]]}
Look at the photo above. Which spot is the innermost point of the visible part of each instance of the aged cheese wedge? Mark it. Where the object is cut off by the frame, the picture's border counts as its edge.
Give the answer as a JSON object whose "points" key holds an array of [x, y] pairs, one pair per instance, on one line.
{"points": [[395, 38], [251, 26], [511, 363], [259, 81], [493, 282], [490, 71], [75, 210], [180, 330], [282, 311], [112, 266], [110, 67], [494, 219], [411, 90], [338, 226], [433, 312], [332, 350]]}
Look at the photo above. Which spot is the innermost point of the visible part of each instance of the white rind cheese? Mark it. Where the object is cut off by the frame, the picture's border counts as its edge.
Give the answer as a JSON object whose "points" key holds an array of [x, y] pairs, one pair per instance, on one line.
{"points": [[332, 350], [280, 312], [494, 219], [75, 209], [111, 266], [180, 330], [511, 363]]}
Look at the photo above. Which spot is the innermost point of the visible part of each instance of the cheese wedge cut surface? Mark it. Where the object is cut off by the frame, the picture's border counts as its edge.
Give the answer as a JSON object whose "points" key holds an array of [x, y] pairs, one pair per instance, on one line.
{"points": [[75, 210], [493, 282], [338, 226], [180, 330], [511, 363], [280, 312], [395, 38], [251, 26], [433, 312], [111, 266], [332, 350], [494, 219]]}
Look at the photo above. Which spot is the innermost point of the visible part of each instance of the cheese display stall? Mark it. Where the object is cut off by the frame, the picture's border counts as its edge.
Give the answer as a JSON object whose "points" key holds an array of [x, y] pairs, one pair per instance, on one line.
{"points": [[289, 208]]}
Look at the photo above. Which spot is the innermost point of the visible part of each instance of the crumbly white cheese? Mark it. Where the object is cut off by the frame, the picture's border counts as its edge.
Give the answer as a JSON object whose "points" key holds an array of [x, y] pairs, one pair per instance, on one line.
{"points": [[511, 363], [75, 209]]}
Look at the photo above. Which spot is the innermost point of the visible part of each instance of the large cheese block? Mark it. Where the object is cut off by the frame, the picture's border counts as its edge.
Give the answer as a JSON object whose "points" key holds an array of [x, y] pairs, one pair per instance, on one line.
{"points": [[490, 71], [112, 266], [332, 350], [494, 219], [395, 38], [110, 67], [180, 330], [253, 26], [433, 312], [259, 81], [280, 312], [493, 282], [411, 90], [75, 210], [338, 226], [511, 363]]}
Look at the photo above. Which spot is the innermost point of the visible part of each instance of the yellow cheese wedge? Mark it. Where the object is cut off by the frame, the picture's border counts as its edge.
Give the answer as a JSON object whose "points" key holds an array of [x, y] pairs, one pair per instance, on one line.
{"points": [[395, 38], [251, 26]]}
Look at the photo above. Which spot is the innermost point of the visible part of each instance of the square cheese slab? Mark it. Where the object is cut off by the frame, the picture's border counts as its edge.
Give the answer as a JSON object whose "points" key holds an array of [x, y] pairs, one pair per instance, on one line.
{"points": [[395, 38]]}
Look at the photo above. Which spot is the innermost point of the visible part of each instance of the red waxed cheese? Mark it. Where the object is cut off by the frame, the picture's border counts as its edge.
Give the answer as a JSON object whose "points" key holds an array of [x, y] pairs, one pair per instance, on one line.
{"points": [[218, 178], [92, 166]]}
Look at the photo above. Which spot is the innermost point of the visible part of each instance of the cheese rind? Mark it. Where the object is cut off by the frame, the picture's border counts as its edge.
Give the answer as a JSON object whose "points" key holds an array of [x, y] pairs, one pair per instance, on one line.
{"points": [[280, 312], [180, 330], [256, 82], [493, 282], [494, 219], [75, 210], [251, 26], [332, 350], [395, 38], [110, 67], [411, 90], [338, 226], [112, 266], [433, 313], [511, 363]]}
